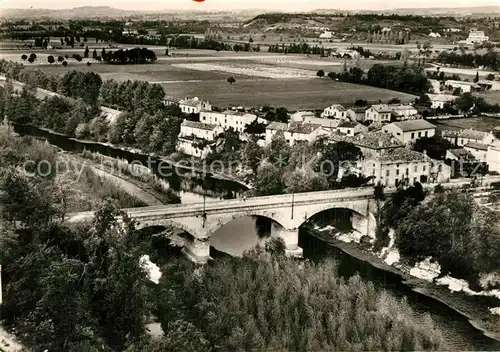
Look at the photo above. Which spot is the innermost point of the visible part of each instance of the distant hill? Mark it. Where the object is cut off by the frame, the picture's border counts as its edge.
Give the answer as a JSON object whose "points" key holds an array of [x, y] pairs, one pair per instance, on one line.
{"points": [[88, 12], [492, 11]]}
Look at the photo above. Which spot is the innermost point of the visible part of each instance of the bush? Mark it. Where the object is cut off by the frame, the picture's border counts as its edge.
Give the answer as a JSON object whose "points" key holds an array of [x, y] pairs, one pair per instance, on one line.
{"points": [[65, 63], [24, 57], [60, 58]]}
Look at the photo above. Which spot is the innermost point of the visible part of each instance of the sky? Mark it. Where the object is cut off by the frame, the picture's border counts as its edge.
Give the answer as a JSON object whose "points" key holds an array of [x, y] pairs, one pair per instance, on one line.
{"points": [[285, 5]]}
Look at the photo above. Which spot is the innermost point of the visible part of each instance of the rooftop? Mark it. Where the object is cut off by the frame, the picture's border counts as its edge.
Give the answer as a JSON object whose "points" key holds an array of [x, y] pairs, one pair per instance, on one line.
{"points": [[414, 125], [370, 140], [396, 107], [381, 108], [462, 83], [337, 107], [277, 126], [403, 155], [198, 125], [358, 109], [304, 128], [191, 102], [348, 124], [478, 146], [468, 134], [442, 97]]}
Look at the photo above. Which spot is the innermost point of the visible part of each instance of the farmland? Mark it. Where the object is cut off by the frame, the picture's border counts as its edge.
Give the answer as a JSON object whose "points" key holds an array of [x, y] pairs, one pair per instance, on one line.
{"points": [[261, 78], [483, 123]]}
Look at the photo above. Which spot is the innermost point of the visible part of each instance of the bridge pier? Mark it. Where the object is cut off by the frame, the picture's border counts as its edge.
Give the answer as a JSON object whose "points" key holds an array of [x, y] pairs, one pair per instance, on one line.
{"points": [[360, 223], [197, 249], [290, 237]]}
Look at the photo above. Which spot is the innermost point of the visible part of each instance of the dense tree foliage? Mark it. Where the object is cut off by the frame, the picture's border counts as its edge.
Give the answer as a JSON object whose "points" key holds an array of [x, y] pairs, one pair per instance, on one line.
{"points": [[129, 56], [453, 229], [272, 303], [490, 60]]}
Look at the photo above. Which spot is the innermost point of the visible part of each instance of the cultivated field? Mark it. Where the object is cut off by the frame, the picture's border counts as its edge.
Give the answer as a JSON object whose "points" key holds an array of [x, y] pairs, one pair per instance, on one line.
{"points": [[261, 78], [294, 94]]}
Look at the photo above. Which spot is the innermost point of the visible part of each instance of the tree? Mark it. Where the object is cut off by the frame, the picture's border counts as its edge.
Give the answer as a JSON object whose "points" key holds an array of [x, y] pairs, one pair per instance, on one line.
{"points": [[231, 80], [476, 79], [86, 52], [490, 77], [65, 63], [24, 57], [51, 59], [320, 73], [252, 154], [305, 180], [94, 54], [434, 146], [60, 58], [394, 101], [360, 102], [268, 180]]}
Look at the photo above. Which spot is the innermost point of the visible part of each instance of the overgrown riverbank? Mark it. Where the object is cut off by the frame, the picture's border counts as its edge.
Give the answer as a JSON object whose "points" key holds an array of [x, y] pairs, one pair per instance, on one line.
{"points": [[474, 308]]}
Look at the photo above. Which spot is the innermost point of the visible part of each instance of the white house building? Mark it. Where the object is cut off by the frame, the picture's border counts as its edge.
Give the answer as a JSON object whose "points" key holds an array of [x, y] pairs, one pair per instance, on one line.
{"points": [[476, 36], [378, 113], [404, 166], [351, 128], [478, 150], [434, 35], [356, 113], [409, 131], [462, 137], [273, 128], [404, 111], [326, 35], [303, 132], [439, 100], [465, 87], [230, 119], [194, 105], [193, 134], [310, 117], [335, 111]]}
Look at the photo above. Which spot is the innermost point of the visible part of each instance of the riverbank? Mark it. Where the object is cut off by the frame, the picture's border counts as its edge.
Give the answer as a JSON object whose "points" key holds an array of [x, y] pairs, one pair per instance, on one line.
{"points": [[474, 308], [138, 156]]}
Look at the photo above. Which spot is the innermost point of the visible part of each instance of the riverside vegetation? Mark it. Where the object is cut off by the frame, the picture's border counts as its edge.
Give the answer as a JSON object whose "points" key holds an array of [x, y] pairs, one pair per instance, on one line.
{"points": [[73, 287]]}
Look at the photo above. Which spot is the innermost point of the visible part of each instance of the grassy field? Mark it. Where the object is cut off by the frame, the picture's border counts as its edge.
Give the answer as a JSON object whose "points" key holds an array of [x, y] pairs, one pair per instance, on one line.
{"points": [[261, 78], [294, 94], [492, 97], [485, 124]]}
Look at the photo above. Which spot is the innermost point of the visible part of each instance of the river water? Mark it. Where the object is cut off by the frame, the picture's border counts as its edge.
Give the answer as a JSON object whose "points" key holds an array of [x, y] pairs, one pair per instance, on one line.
{"points": [[244, 233]]}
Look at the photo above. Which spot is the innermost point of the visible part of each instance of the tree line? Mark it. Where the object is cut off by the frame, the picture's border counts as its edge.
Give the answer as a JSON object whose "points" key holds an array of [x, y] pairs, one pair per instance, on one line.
{"points": [[489, 60], [408, 78]]}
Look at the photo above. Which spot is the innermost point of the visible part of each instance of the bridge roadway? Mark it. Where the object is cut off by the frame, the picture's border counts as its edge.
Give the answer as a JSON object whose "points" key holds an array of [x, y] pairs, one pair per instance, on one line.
{"points": [[288, 212]]}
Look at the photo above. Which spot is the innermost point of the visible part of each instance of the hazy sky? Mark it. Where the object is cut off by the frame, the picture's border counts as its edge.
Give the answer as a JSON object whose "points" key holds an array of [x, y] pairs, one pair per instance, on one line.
{"points": [[290, 5]]}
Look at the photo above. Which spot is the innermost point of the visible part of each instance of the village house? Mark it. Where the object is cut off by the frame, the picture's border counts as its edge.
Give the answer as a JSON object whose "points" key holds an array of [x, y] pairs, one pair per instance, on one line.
{"points": [[409, 131], [356, 113], [335, 111], [193, 134], [378, 113], [310, 117], [489, 85], [462, 137], [476, 36], [351, 128], [194, 105], [465, 87], [404, 112], [439, 100], [478, 150], [371, 144], [403, 166], [273, 128], [230, 119], [303, 132]]}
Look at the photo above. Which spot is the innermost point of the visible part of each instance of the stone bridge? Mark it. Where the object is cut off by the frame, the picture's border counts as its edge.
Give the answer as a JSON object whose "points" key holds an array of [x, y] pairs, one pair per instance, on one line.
{"points": [[287, 213]]}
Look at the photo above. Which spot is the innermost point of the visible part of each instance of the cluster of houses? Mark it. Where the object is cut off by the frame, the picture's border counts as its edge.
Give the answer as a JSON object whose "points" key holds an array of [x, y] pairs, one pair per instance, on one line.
{"points": [[385, 145]]}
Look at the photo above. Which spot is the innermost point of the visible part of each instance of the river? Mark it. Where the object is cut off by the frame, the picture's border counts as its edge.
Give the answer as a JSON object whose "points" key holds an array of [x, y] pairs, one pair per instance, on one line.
{"points": [[246, 232]]}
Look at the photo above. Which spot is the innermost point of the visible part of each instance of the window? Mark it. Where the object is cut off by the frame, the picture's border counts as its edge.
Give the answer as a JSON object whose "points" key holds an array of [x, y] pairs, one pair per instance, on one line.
{"points": [[397, 172], [407, 171], [412, 135], [426, 133], [419, 134], [373, 172], [204, 118], [414, 180], [387, 173], [373, 164], [440, 167], [415, 169], [423, 168]]}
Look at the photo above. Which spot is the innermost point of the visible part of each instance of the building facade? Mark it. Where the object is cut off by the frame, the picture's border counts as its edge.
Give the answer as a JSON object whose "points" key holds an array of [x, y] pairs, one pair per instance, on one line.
{"points": [[378, 113], [194, 105], [230, 119], [409, 131], [335, 111]]}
